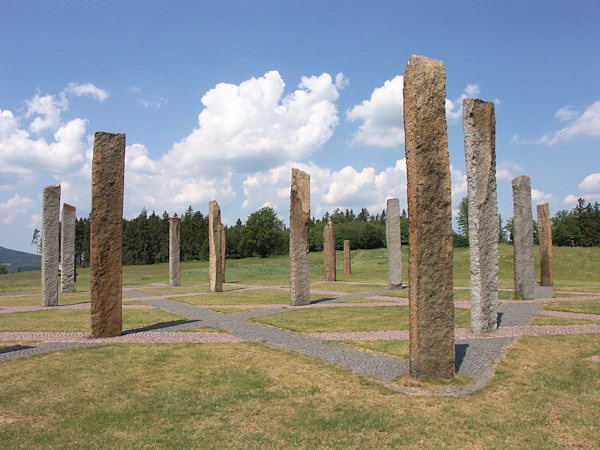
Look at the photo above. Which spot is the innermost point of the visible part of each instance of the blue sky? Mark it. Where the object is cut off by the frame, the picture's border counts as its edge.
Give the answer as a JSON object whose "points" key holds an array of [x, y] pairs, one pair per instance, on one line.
{"points": [[219, 99]]}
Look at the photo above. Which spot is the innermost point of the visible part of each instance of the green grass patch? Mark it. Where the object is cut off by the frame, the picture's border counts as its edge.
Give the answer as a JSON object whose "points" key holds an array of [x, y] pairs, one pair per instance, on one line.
{"points": [[550, 320], [79, 320], [175, 289], [556, 294], [366, 300], [231, 310], [258, 297], [392, 348], [368, 318], [36, 300], [580, 306], [350, 288]]}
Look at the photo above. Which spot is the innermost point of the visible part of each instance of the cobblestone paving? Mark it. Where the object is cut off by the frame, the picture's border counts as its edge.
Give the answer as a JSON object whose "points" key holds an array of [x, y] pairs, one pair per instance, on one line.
{"points": [[476, 354]]}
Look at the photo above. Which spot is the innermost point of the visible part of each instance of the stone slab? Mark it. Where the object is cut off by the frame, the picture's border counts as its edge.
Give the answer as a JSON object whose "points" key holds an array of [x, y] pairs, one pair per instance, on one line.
{"points": [[215, 279], [67, 248], [347, 263], [545, 234], [394, 243], [479, 124], [50, 249], [106, 234], [431, 306], [329, 251], [299, 228], [523, 238], [174, 250], [223, 251]]}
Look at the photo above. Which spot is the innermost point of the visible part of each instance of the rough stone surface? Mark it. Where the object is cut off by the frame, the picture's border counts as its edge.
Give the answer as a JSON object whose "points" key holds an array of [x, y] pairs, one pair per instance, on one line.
{"points": [[174, 250], [479, 123], [215, 278], [50, 218], [523, 238], [347, 266], [431, 306], [329, 251], [299, 223], [223, 251], [67, 249], [106, 234], [545, 232], [394, 243]]}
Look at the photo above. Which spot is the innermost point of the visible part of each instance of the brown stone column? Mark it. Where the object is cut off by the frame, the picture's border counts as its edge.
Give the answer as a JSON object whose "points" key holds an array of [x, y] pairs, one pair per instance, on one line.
{"points": [[479, 125], [299, 223], [174, 250], [393, 238], [347, 266], [329, 251], [67, 248], [223, 251], [215, 279], [106, 234], [545, 232], [431, 305], [523, 238], [50, 224]]}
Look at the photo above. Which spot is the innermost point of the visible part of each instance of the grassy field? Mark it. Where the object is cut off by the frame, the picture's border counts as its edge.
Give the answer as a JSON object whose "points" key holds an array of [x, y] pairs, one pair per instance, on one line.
{"points": [[545, 392]]}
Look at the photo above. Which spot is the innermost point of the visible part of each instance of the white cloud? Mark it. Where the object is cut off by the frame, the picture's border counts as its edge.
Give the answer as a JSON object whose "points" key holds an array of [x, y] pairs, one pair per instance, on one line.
{"points": [[591, 183], [458, 183], [35, 221], [48, 109], [341, 81], [87, 89], [570, 200], [15, 206], [155, 103], [454, 110], [587, 124], [507, 170], [566, 113], [252, 125], [540, 196], [381, 116]]}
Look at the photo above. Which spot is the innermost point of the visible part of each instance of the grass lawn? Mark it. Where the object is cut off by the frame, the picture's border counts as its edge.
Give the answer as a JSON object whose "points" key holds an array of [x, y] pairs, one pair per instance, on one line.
{"points": [[350, 288], [80, 320], [174, 289], [550, 320], [583, 306], [36, 300], [249, 396], [387, 347], [367, 318], [258, 297]]}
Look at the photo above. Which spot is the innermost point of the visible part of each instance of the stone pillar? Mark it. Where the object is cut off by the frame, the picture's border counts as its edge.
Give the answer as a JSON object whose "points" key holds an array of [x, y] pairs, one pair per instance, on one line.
{"points": [[67, 249], [479, 123], [299, 223], [523, 238], [394, 243], [431, 305], [215, 279], [329, 251], [545, 232], [174, 250], [347, 267], [106, 234], [50, 219], [223, 251]]}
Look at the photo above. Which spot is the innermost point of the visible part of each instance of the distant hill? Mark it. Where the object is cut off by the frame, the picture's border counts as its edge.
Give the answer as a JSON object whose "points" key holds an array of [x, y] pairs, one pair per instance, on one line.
{"points": [[14, 260]]}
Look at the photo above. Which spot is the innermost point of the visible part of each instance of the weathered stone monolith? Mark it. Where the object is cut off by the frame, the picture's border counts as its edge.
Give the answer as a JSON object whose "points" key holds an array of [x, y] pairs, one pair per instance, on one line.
{"points": [[299, 223], [394, 243], [479, 123], [523, 238], [50, 219], [329, 251], [545, 233], [174, 252], [431, 305], [106, 234], [215, 279], [347, 266], [67, 248], [223, 251]]}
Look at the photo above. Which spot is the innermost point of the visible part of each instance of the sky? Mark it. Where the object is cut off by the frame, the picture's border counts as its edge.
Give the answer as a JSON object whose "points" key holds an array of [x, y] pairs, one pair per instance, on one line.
{"points": [[220, 99]]}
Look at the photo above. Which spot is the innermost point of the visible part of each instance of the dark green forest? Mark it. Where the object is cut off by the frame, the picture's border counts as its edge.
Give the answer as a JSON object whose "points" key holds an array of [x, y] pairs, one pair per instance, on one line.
{"points": [[146, 237]]}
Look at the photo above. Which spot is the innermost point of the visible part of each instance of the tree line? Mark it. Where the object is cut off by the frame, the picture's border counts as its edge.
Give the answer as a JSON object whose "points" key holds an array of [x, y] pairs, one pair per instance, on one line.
{"points": [[578, 227]]}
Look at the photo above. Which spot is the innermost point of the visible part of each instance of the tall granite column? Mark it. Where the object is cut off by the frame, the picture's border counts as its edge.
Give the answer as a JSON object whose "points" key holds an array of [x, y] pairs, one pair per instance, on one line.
{"points": [[329, 251], [431, 305], [50, 219], [347, 266], [479, 123], [523, 238], [545, 232], [67, 248], [174, 250], [223, 251], [215, 279], [394, 243], [106, 234], [299, 223]]}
